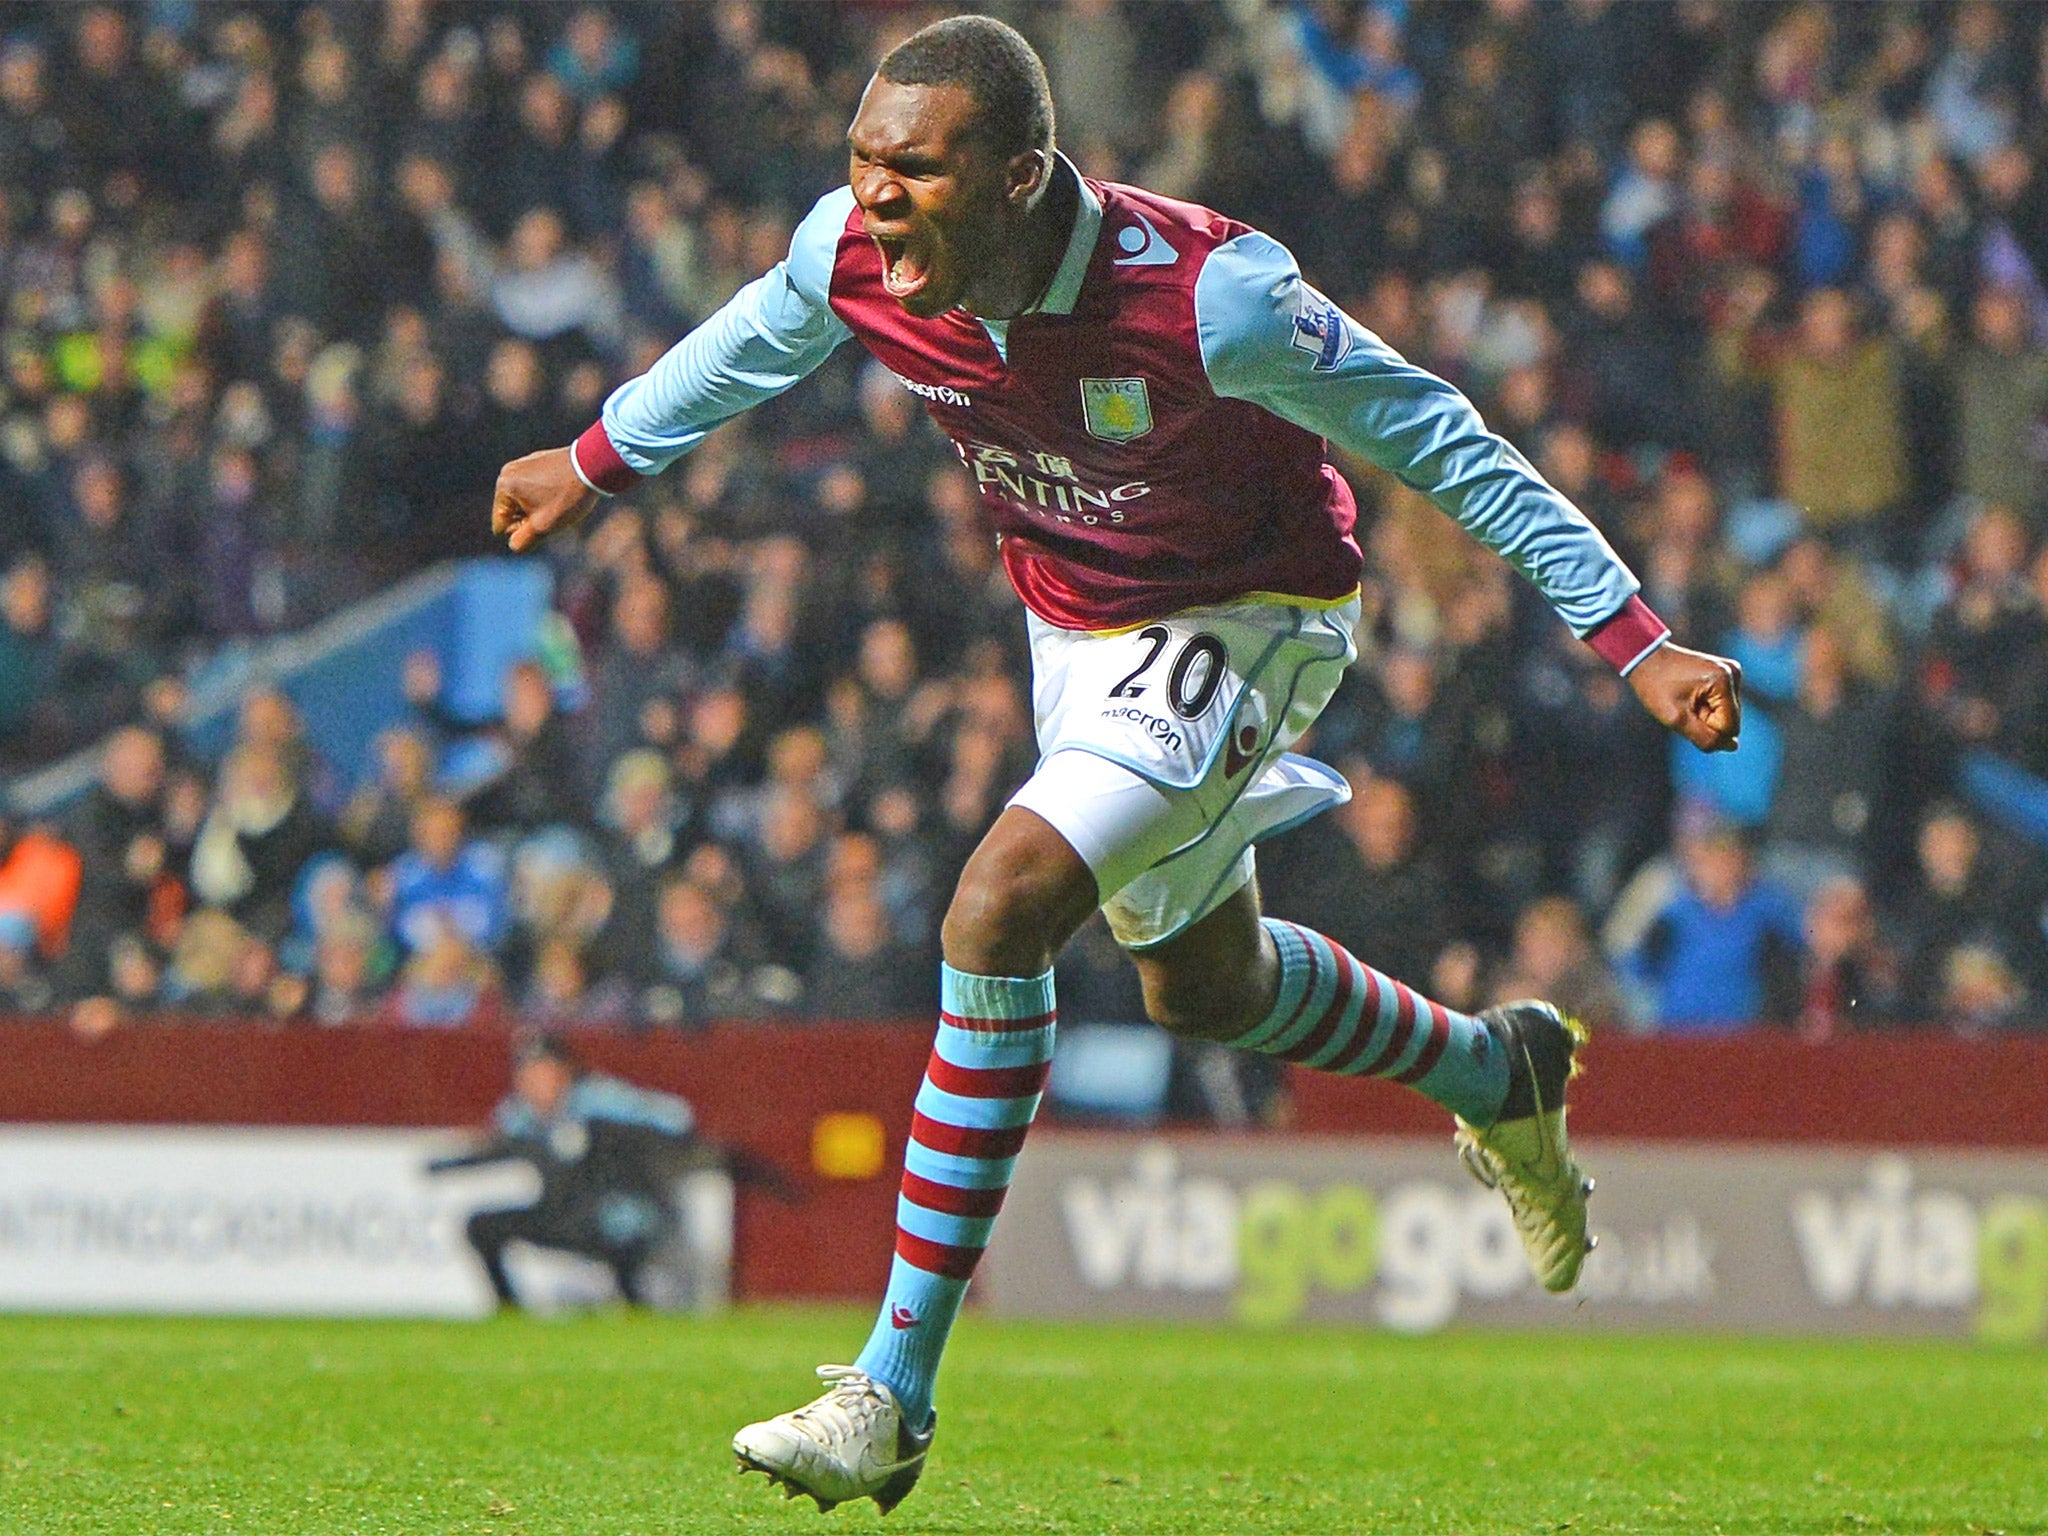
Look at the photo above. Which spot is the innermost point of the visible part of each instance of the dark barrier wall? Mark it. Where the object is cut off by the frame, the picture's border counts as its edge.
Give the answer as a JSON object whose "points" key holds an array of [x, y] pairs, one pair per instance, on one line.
{"points": [[765, 1087], [1913, 1089]]}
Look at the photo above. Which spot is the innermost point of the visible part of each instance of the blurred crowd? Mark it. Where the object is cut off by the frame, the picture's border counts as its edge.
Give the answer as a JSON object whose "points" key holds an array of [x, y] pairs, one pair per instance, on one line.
{"points": [[1762, 287]]}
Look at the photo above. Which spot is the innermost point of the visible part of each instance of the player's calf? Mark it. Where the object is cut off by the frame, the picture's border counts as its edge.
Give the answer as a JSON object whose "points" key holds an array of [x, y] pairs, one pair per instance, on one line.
{"points": [[1502, 1074], [1197, 1014], [1325, 1008], [1217, 979]]}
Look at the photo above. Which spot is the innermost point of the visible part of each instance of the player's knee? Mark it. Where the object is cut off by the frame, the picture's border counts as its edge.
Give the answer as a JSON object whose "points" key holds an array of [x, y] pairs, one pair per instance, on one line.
{"points": [[1021, 896], [1001, 921]]}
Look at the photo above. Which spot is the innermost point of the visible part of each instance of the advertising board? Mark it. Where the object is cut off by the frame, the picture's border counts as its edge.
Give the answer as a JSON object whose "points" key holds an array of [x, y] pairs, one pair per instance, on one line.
{"points": [[171, 1219], [1392, 1232]]}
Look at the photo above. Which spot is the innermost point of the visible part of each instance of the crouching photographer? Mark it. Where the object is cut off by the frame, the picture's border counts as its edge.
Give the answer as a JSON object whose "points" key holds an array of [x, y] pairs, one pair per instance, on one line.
{"points": [[610, 1157]]}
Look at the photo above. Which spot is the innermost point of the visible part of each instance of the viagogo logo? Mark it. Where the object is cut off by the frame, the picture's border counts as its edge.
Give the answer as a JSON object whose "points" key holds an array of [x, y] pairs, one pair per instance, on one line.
{"points": [[1274, 1246], [1404, 1254], [1418, 1250], [1890, 1245]]}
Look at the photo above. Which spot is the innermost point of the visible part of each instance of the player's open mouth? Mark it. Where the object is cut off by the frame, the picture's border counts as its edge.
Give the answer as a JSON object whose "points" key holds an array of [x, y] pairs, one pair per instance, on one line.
{"points": [[903, 270]]}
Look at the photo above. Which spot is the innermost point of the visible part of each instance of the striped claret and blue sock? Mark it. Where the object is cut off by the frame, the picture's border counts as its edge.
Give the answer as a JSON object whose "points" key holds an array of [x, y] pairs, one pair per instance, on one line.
{"points": [[981, 1089], [1337, 1014]]}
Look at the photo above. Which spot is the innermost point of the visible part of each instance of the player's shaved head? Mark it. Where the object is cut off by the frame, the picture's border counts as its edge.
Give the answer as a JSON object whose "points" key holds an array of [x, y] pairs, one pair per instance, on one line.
{"points": [[993, 63], [950, 155]]}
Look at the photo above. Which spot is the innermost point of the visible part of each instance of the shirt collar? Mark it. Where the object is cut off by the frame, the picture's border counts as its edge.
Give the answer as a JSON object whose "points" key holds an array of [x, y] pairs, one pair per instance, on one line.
{"points": [[1065, 287]]}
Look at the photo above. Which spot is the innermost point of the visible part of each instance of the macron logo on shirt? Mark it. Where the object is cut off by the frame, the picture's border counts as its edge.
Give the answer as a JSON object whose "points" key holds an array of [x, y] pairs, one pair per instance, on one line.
{"points": [[1144, 247], [944, 394]]}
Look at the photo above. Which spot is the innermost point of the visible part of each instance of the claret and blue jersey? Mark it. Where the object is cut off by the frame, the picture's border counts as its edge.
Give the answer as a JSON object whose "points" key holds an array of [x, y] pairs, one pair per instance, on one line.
{"points": [[1152, 435]]}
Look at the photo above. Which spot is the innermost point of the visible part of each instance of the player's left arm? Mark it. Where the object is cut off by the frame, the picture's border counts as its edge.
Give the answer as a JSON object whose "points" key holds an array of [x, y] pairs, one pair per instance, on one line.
{"points": [[1269, 338]]}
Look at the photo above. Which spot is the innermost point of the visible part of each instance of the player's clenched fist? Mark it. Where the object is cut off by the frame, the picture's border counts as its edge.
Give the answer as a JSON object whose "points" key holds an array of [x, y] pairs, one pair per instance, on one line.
{"points": [[1697, 695], [539, 495]]}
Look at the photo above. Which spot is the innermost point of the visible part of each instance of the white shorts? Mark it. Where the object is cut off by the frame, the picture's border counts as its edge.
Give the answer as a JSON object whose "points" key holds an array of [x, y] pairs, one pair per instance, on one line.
{"points": [[1163, 750]]}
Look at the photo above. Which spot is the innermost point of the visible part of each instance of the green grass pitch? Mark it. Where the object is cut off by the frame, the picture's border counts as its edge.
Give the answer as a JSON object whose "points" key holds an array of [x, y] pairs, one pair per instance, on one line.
{"points": [[610, 1425]]}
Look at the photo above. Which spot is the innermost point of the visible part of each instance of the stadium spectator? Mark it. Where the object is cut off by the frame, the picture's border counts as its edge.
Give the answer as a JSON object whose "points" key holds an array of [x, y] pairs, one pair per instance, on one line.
{"points": [[129, 869], [32, 716], [1979, 637], [102, 562], [697, 973], [220, 969], [858, 970], [2024, 731], [448, 894], [643, 847], [787, 871], [559, 991], [448, 983], [1571, 721], [1723, 951], [1980, 992], [1835, 595], [1554, 958], [351, 960], [2001, 398], [1839, 401], [1970, 93], [1851, 979], [593, 57], [1378, 892], [641, 675], [40, 876], [544, 290], [376, 824], [1836, 737], [862, 968], [269, 720], [328, 890], [1959, 899], [25, 986], [1644, 195], [1413, 733], [536, 785], [1624, 362], [1766, 638], [258, 834]]}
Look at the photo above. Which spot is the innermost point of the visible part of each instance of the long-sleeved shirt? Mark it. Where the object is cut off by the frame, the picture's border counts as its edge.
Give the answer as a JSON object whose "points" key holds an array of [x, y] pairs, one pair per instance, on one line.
{"points": [[1152, 434]]}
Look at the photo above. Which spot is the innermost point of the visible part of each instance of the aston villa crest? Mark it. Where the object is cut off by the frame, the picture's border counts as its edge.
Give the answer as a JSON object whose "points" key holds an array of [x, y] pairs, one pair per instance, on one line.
{"points": [[1116, 410]]}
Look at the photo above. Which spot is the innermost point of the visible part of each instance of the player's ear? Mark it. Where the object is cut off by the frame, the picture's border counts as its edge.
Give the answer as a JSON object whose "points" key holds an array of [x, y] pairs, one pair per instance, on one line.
{"points": [[1026, 176]]}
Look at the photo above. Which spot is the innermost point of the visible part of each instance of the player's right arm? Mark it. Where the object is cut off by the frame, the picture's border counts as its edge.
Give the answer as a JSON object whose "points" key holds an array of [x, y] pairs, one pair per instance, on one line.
{"points": [[770, 334]]}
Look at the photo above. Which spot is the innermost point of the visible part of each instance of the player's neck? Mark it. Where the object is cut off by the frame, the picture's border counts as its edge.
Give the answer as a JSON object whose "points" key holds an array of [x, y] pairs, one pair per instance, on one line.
{"points": [[1027, 267]]}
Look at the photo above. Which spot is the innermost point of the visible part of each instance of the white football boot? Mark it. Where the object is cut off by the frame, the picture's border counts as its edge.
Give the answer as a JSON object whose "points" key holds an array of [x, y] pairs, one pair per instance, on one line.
{"points": [[850, 1443], [1525, 1154]]}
